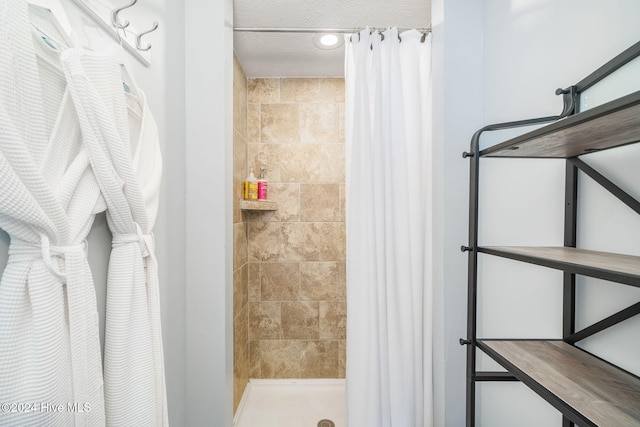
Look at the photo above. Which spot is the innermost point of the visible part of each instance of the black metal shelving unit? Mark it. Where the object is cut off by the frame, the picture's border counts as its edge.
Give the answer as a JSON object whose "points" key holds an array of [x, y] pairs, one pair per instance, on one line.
{"points": [[587, 390]]}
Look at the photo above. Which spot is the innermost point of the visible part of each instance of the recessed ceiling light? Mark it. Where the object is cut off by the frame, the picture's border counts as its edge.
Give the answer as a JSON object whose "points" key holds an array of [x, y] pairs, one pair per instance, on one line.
{"points": [[327, 41]]}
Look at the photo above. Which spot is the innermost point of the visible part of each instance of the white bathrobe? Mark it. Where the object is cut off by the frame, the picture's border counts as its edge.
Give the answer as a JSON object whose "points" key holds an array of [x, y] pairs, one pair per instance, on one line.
{"points": [[65, 154], [123, 147], [50, 367]]}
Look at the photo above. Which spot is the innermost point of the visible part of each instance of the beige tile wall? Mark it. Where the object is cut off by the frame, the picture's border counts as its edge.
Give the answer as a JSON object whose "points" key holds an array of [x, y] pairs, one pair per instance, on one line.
{"points": [[240, 264], [296, 255]]}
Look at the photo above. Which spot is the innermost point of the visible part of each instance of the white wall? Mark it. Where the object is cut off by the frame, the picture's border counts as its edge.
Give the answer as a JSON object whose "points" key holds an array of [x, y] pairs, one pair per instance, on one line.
{"points": [[458, 94], [532, 47], [209, 109]]}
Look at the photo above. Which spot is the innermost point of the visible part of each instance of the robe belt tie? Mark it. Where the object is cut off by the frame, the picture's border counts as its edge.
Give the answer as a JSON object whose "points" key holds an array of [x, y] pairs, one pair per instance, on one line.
{"points": [[21, 251], [145, 241], [68, 264]]}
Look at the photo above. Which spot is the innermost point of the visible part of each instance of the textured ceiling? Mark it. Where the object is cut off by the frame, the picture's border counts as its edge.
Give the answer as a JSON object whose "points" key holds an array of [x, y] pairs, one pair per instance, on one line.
{"points": [[295, 55]]}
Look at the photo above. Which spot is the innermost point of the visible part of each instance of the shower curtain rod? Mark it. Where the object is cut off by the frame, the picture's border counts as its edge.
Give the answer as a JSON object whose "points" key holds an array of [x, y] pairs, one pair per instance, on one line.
{"points": [[315, 30]]}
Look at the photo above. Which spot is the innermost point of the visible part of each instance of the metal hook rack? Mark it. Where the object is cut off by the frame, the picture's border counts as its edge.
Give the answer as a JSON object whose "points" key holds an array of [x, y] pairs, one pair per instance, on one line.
{"points": [[122, 32], [139, 37], [114, 16]]}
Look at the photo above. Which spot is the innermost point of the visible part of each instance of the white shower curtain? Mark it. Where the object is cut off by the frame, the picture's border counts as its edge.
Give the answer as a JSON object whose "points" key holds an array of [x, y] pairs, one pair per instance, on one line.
{"points": [[389, 243]]}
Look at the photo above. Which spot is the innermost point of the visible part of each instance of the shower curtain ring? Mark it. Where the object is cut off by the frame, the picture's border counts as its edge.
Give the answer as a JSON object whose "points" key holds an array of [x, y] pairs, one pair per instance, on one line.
{"points": [[114, 16], [139, 37]]}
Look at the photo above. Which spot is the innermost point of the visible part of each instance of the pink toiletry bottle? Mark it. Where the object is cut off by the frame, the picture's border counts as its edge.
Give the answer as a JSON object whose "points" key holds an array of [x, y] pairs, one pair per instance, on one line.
{"points": [[262, 186]]}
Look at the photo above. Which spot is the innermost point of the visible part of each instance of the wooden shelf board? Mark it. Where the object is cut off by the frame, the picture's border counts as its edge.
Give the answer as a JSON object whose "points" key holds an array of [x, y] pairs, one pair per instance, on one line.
{"points": [[610, 125], [258, 205], [588, 390], [608, 266]]}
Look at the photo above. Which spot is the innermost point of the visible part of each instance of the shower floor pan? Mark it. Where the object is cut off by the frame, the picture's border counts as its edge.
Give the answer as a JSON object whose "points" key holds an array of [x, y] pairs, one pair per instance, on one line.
{"points": [[292, 403]]}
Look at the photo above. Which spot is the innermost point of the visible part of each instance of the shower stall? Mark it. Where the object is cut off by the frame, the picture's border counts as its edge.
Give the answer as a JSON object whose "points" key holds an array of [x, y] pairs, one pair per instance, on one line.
{"points": [[289, 263], [290, 271]]}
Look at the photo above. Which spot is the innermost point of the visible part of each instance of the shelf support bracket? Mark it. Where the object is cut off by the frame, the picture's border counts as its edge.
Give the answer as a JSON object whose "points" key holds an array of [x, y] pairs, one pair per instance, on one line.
{"points": [[569, 100], [612, 320], [612, 188]]}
